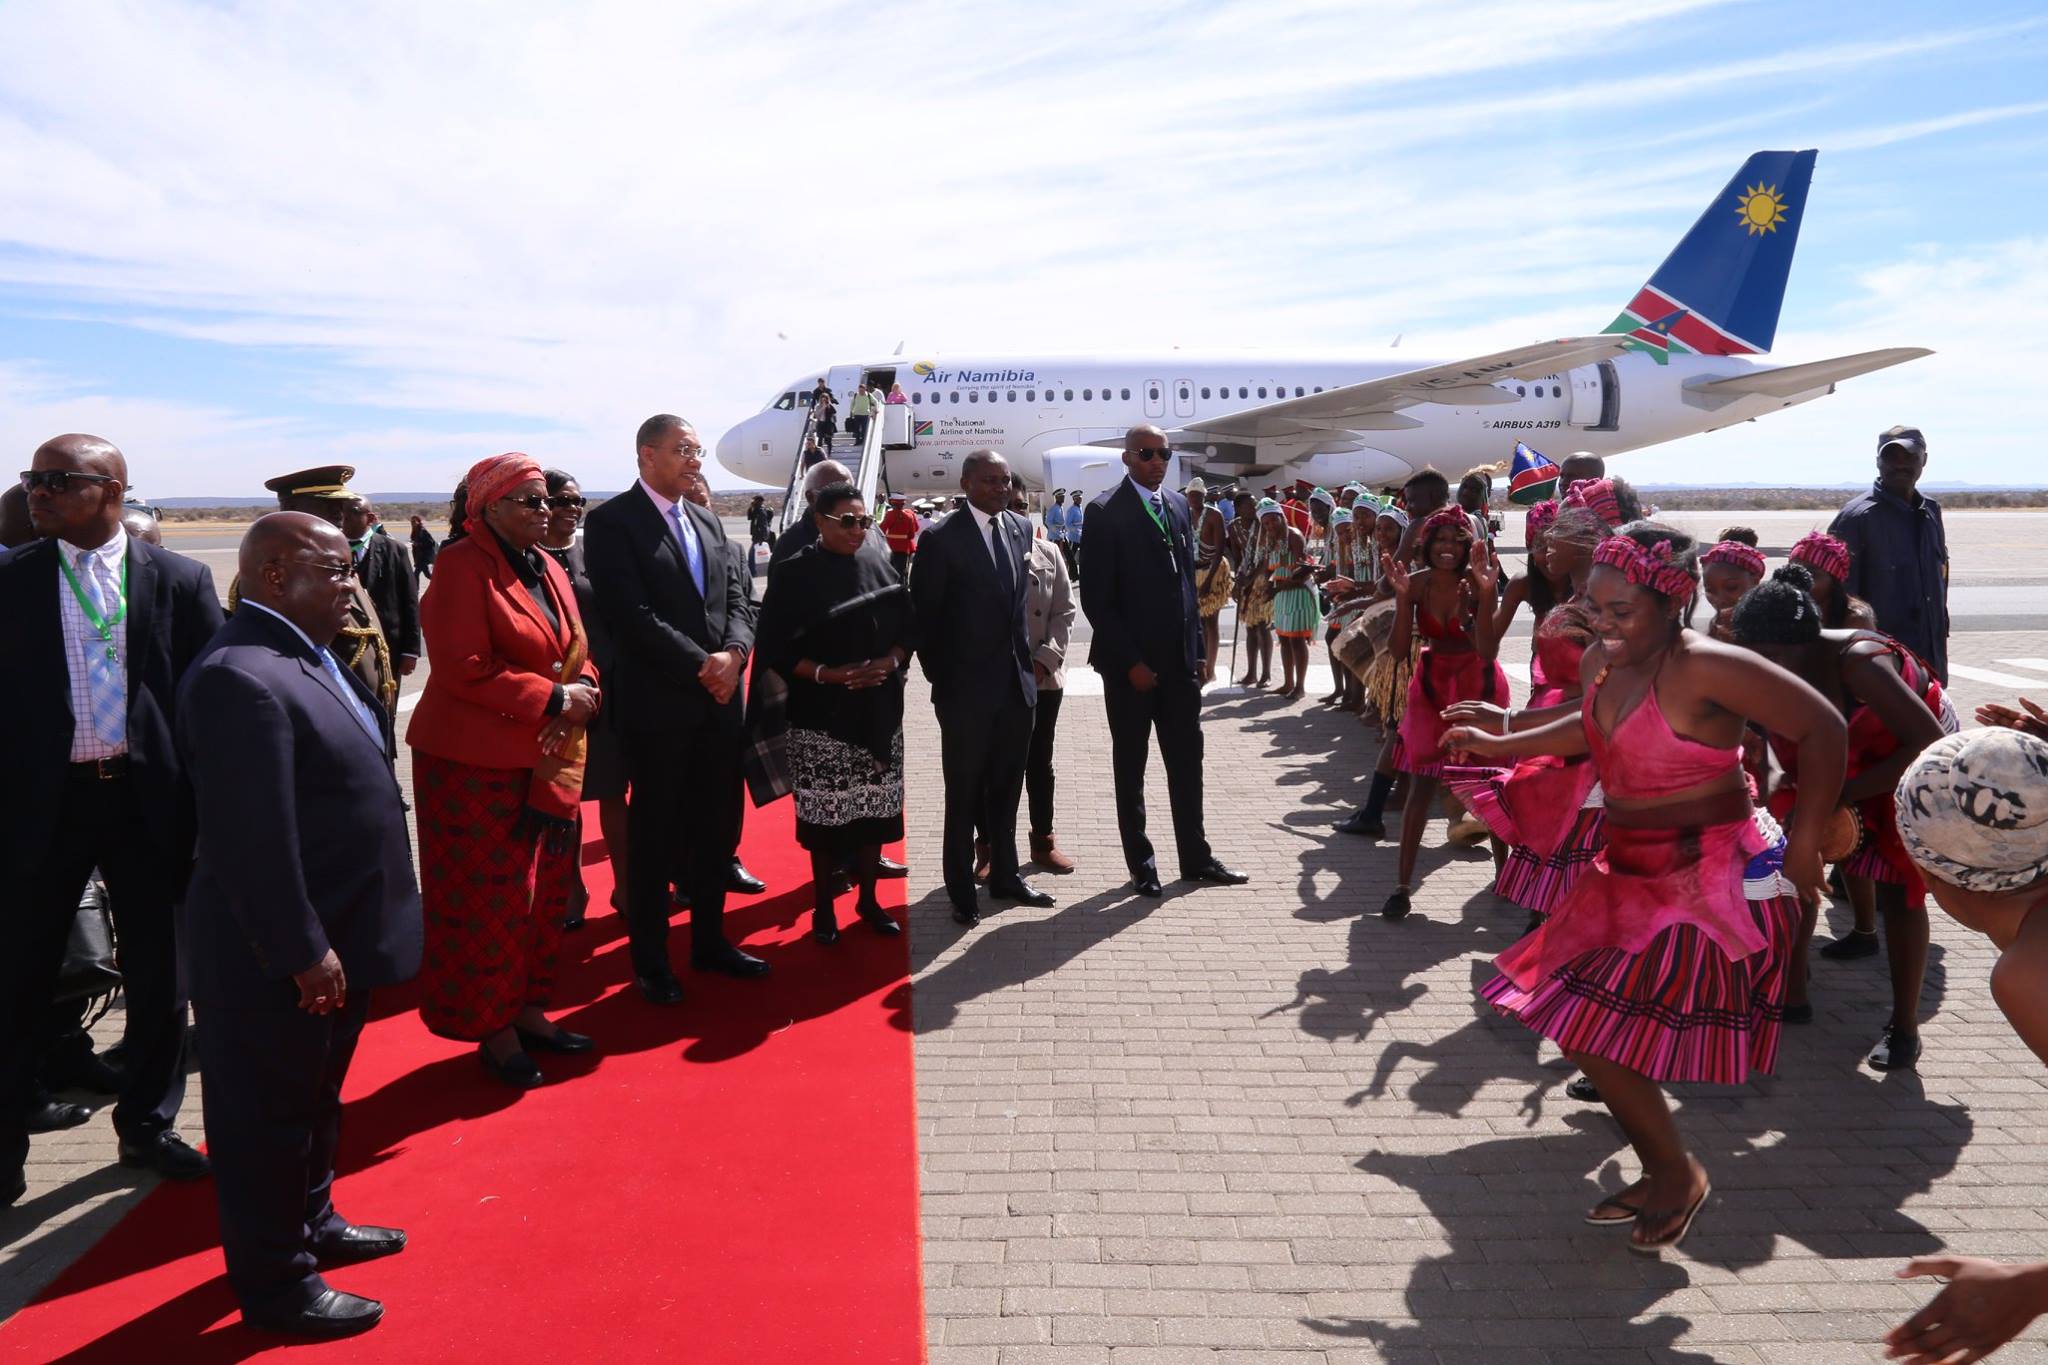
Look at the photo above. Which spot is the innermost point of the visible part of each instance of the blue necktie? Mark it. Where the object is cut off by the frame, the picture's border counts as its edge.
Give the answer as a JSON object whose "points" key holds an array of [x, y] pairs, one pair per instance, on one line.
{"points": [[692, 550], [104, 683], [355, 703]]}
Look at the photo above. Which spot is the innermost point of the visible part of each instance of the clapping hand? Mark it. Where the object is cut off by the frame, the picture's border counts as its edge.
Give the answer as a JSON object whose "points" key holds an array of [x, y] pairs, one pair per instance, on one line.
{"points": [[1983, 1306], [1397, 574], [1480, 715], [1471, 739], [1483, 571], [2034, 722]]}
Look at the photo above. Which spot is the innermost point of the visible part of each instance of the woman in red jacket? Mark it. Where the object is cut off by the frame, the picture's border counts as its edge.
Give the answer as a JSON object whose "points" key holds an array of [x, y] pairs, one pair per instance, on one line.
{"points": [[498, 744]]}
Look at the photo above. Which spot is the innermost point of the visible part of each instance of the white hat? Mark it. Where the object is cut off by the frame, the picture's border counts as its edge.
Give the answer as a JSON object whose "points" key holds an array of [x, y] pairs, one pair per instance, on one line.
{"points": [[1195, 485], [1973, 809]]}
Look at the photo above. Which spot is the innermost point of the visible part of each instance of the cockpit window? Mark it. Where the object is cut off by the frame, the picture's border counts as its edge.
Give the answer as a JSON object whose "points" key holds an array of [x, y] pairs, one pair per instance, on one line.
{"points": [[786, 403]]}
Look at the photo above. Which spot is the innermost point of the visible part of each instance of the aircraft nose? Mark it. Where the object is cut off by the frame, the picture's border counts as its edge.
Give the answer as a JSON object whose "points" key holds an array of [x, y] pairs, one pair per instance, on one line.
{"points": [[732, 449]]}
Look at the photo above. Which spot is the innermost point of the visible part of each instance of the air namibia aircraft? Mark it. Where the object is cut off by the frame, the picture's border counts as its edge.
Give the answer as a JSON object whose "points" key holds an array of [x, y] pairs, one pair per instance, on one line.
{"points": [[1685, 355]]}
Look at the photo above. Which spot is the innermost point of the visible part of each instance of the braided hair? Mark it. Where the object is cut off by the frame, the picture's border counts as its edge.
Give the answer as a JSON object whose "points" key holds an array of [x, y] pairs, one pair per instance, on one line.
{"points": [[1778, 611]]}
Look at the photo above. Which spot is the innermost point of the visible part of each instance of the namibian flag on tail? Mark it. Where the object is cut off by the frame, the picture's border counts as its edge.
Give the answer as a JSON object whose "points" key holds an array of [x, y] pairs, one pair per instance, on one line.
{"points": [[1532, 478], [1720, 289]]}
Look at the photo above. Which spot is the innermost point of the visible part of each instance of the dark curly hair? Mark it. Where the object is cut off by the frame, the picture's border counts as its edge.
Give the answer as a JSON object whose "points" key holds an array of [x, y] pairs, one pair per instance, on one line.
{"points": [[1778, 611]]}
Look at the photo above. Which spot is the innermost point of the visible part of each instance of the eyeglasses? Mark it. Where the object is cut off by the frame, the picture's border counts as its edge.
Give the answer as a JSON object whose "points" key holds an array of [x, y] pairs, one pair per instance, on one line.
{"points": [[334, 573], [1149, 455], [58, 480], [565, 502], [532, 502], [690, 452], [852, 521]]}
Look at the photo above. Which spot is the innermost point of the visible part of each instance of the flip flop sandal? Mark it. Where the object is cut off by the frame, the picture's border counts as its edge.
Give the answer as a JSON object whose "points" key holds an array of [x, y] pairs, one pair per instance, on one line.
{"points": [[1677, 1235], [1582, 1089], [1628, 1213]]}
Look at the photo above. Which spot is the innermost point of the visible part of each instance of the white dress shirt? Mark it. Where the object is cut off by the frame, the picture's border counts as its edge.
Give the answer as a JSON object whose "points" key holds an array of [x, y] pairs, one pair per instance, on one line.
{"points": [[985, 524], [103, 568]]}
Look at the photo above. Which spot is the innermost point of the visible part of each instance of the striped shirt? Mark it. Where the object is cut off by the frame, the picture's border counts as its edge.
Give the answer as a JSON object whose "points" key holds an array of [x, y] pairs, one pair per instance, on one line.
{"points": [[103, 567]]}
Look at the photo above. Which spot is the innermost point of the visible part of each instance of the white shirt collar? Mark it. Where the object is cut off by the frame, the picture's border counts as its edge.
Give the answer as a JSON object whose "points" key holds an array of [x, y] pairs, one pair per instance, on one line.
{"points": [[245, 602], [110, 554], [661, 504], [1146, 494], [981, 520]]}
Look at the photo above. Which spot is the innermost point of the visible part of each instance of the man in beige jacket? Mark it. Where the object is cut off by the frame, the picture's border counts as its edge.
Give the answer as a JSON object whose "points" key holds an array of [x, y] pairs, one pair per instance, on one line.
{"points": [[1048, 617]]}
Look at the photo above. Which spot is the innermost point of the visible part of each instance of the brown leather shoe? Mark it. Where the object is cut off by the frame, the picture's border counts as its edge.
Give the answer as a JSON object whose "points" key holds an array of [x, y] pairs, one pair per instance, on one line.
{"points": [[981, 860], [1045, 851]]}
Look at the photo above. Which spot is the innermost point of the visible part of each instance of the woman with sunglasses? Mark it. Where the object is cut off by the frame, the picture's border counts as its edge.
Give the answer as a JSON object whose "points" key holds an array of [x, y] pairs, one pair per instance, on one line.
{"points": [[836, 624], [499, 743]]}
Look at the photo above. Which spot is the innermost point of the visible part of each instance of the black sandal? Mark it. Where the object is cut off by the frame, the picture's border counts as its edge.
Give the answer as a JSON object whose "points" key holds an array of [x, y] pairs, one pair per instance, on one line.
{"points": [[1397, 906], [1650, 1218]]}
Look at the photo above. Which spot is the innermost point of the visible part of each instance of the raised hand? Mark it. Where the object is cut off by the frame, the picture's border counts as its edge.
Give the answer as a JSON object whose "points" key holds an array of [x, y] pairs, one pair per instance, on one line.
{"points": [[1480, 715], [1396, 573], [1483, 571], [2034, 722]]}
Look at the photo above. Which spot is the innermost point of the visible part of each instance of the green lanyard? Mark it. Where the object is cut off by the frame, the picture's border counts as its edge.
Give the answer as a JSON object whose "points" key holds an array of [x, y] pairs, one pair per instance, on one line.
{"points": [[103, 626], [1157, 520]]}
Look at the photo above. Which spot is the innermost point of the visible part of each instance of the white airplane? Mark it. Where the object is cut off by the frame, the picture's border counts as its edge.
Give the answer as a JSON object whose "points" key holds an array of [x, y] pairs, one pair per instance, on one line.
{"points": [[1677, 361]]}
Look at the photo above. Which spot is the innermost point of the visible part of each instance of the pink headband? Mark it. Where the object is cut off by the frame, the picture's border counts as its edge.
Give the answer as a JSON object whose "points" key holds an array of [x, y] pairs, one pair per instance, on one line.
{"points": [[1819, 550], [1453, 516], [1650, 568], [1736, 555], [492, 478], [1597, 497], [1539, 519]]}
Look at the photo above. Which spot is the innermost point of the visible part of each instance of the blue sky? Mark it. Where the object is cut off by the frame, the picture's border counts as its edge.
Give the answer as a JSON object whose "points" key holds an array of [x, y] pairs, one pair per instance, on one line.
{"points": [[241, 238]]}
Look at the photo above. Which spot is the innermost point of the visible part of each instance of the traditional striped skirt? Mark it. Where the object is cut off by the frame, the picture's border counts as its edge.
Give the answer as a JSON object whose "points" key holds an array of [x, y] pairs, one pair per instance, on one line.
{"points": [[1541, 866], [1296, 614]]}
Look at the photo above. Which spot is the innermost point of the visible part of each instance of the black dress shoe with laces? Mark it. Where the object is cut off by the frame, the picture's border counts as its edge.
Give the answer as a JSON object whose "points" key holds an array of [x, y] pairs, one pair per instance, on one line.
{"points": [[890, 869], [1215, 873], [334, 1314], [561, 1040], [729, 961], [967, 915], [740, 880], [661, 988], [54, 1116], [1019, 892], [169, 1155], [517, 1071], [357, 1242], [1147, 884]]}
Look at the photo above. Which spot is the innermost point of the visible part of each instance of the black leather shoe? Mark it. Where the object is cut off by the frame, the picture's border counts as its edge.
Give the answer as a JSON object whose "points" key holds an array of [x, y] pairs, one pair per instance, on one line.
{"points": [[357, 1242], [1020, 892], [825, 926], [517, 1071], [878, 919], [967, 915], [1147, 884], [1215, 873], [1397, 907], [561, 1040], [729, 961], [1358, 824], [660, 989], [53, 1116], [1895, 1051], [334, 1314], [743, 881], [97, 1073], [12, 1188], [168, 1155], [890, 868]]}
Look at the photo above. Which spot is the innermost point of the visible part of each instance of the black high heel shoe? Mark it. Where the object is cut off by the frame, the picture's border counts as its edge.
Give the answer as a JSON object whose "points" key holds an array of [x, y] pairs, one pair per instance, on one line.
{"points": [[825, 926], [876, 918], [517, 1071], [561, 1040]]}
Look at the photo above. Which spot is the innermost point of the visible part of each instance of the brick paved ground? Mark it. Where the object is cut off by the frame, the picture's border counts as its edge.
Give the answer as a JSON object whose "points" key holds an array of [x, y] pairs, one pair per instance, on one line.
{"points": [[1259, 1124]]}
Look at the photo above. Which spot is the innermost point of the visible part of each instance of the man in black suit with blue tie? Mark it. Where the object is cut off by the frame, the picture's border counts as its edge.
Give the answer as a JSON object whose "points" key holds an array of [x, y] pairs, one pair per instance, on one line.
{"points": [[1139, 597], [100, 627], [682, 629], [969, 594], [302, 901]]}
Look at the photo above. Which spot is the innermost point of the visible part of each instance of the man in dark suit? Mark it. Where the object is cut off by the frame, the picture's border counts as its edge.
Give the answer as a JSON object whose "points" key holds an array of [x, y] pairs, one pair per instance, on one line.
{"points": [[1139, 597], [302, 901], [682, 633], [388, 579], [100, 629], [969, 593], [323, 492]]}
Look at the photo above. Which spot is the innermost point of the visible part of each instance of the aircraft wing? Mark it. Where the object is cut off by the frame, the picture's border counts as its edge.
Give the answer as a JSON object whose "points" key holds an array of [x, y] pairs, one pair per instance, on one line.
{"points": [[1375, 404], [1787, 381]]}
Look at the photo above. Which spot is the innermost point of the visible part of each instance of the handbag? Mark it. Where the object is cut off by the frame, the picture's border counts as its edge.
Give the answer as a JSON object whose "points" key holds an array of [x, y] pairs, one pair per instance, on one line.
{"points": [[89, 969]]}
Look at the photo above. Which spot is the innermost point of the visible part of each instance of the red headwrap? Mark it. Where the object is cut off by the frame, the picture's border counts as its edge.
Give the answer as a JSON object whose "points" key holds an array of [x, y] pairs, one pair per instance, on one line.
{"points": [[491, 479], [1819, 550], [1539, 519], [1736, 555], [1453, 516], [1650, 567], [1597, 497]]}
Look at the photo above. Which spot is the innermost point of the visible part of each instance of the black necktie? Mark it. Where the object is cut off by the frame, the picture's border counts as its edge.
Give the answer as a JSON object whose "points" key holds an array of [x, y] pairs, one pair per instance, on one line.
{"points": [[1004, 575]]}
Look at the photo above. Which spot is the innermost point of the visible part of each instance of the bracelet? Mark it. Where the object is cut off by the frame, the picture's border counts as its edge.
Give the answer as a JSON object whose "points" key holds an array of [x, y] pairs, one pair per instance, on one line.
{"points": [[1510, 722]]}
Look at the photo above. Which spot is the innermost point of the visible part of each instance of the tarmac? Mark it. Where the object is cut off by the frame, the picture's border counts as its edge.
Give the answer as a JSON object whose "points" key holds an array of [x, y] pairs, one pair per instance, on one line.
{"points": [[1261, 1126]]}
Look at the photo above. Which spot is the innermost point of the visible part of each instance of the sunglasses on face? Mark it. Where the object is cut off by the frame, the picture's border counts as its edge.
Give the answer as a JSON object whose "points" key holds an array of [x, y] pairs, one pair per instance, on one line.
{"points": [[58, 480], [1151, 455], [852, 521], [333, 572], [532, 502], [566, 502]]}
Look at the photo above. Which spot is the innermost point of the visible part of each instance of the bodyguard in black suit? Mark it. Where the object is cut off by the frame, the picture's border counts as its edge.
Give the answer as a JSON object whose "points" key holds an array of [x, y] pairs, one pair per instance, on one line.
{"points": [[681, 630], [388, 579], [100, 627], [302, 902], [969, 593], [1139, 597]]}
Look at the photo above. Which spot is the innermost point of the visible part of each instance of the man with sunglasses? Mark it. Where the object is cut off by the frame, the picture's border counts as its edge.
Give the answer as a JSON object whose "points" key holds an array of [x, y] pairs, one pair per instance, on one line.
{"points": [[101, 628], [1139, 597], [388, 581]]}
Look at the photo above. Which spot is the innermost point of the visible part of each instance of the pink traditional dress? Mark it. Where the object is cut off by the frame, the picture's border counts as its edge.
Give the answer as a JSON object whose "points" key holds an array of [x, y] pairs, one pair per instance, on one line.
{"points": [[1448, 670]]}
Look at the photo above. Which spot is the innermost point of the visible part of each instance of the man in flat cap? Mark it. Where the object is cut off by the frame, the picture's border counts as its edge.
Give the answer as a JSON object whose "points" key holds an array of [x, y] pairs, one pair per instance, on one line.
{"points": [[323, 492], [1898, 549]]}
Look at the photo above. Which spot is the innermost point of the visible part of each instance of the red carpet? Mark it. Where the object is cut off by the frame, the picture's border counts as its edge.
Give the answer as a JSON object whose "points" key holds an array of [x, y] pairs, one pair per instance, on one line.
{"points": [[734, 1179]]}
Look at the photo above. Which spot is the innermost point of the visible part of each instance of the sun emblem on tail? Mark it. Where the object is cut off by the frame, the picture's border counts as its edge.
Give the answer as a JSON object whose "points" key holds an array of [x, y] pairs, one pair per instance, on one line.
{"points": [[1760, 209]]}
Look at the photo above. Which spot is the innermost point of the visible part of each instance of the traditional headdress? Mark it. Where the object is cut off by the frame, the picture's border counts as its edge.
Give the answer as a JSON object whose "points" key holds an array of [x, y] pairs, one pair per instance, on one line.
{"points": [[1341, 517], [1597, 497], [1539, 519], [1453, 517], [1735, 555], [492, 478], [1824, 552], [1973, 809], [1322, 495], [1655, 567], [1267, 508], [1394, 514]]}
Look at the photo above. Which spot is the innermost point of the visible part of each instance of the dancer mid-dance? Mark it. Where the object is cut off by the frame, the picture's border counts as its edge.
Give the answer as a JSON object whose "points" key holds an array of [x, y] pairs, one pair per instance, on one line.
{"points": [[1666, 960]]}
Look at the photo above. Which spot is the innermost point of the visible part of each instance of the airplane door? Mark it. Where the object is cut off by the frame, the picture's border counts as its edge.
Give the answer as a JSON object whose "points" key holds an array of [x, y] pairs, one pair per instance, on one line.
{"points": [[1183, 398], [1155, 398]]}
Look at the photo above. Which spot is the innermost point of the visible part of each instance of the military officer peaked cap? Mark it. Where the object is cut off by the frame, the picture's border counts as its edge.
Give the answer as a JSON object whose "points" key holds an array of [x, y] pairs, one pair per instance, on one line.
{"points": [[323, 481]]}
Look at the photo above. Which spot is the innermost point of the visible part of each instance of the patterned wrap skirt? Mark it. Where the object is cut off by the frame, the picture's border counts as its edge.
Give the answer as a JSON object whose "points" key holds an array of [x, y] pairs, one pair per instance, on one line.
{"points": [[845, 799], [1440, 678], [492, 897], [1296, 614], [1679, 1008]]}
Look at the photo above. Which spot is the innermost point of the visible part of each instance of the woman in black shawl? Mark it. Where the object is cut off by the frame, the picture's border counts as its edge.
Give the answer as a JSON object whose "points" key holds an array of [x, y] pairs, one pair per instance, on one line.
{"points": [[836, 624]]}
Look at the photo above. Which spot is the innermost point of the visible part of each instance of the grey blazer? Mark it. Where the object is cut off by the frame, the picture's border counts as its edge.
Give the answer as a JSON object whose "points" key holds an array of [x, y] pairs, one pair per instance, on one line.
{"points": [[1049, 610]]}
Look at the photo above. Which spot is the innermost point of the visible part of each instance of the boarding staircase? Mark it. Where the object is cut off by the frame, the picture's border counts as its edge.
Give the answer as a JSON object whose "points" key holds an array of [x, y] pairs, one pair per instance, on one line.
{"points": [[864, 457]]}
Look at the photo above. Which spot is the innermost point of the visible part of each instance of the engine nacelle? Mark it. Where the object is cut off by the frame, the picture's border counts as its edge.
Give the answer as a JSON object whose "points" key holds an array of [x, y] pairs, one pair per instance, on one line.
{"points": [[1093, 469]]}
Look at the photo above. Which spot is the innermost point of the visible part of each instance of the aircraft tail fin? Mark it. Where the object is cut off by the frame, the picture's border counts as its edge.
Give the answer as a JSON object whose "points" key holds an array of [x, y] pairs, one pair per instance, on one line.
{"points": [[1719, 291]]}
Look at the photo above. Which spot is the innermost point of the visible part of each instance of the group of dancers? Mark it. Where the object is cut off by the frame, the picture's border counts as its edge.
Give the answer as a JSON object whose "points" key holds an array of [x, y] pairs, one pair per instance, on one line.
{"points": [[1667, 802]]}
